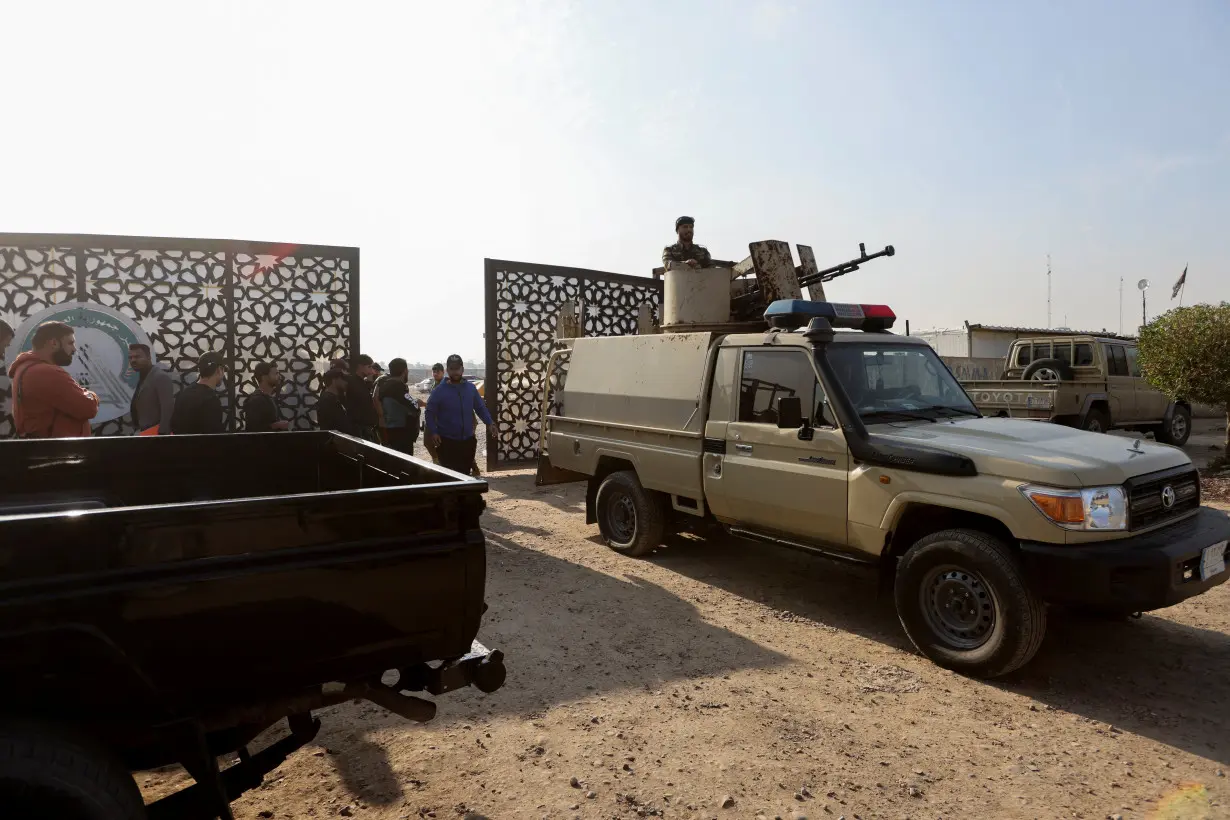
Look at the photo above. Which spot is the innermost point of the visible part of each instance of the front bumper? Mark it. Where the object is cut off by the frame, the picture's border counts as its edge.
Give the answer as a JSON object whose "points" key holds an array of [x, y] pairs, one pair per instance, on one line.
{"points": [[1144, 572]]}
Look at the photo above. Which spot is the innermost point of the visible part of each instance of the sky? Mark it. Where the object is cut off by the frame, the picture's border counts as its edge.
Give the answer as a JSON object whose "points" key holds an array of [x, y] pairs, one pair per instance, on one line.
{"points": [[977, 138]]}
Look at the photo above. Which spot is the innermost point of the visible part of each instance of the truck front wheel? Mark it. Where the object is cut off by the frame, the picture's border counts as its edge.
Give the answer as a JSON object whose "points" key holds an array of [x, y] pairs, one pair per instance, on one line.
{"points": [[630, 518], [45, 775], [1178, 429], [965, 604]]}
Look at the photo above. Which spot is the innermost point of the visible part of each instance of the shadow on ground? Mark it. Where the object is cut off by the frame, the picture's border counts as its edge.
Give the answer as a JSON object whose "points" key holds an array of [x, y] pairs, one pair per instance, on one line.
{"points": [[1154, 676], [583, 631]]}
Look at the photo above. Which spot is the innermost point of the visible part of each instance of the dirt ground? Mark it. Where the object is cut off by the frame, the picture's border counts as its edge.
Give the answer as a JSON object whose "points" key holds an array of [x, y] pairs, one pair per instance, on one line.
{"points": [[733, 674]]}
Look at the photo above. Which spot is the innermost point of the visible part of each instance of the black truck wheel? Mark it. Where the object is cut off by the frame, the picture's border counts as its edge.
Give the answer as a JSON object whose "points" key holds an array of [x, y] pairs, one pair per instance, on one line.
{"points": [[630, 518], [1048, 370], [1096, 421], [965, 604], [45, 775], [1178, 429]]}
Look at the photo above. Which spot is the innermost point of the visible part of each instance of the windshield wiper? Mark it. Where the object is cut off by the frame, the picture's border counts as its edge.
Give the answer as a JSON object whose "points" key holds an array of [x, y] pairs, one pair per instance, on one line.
{"points": [[905, 414], [961, 411]]}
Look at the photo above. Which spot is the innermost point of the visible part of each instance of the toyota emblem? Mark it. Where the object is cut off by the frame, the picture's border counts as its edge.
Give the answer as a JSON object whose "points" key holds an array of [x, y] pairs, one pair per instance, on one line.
{"points": [[1168, 496]]}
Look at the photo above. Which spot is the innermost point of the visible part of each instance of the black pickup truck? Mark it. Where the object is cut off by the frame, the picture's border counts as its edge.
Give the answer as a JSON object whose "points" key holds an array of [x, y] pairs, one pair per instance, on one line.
{"points": [[168, 599]]}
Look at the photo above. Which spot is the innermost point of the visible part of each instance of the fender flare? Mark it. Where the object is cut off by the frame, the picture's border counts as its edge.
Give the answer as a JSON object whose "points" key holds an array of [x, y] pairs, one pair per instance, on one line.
{"points": [[897, 507], [1087, 405], [1173, 404]]}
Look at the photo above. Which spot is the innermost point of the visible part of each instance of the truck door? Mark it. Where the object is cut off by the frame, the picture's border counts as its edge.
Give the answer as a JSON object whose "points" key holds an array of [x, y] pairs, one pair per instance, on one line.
{"points": [[1151, 403], [771, 481], [1119, 385]]}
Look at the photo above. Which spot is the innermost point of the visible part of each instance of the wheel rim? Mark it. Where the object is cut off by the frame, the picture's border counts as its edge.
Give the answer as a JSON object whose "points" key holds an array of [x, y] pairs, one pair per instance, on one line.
{"points": [[621, 519], [1178, 426], [1094, 425], [1045, 374], [959, 606]]}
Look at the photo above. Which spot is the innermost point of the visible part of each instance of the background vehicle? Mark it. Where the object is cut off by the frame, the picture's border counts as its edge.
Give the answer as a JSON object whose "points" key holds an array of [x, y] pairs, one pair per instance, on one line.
{"points": [[862, 447], [168, 599], [1082, 381]]}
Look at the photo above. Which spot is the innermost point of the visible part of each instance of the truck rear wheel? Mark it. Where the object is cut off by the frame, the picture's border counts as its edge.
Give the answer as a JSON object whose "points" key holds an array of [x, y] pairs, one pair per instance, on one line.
{"points": [[965, 604], [1097, 421], [630, 518], [45, 775]]}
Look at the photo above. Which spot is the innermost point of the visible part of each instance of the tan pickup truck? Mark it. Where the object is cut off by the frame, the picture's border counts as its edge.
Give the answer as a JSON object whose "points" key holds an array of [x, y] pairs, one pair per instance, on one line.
{"points": [[863, 447], [1089, 382]]}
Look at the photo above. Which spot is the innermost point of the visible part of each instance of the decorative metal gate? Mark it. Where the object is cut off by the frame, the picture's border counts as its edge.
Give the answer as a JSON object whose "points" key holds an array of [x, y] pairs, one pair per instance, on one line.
{"points": [[522, 302], [294, 305]]}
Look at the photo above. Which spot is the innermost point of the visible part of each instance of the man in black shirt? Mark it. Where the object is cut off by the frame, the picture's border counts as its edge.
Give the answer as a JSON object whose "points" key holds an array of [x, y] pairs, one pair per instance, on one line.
{"points": [[261, 412], [198, 409], [358, 398], [330, 412]]}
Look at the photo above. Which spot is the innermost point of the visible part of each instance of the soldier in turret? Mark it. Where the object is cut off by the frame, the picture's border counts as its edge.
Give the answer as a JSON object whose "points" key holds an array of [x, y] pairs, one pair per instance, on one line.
{"points": [[684, 251]]}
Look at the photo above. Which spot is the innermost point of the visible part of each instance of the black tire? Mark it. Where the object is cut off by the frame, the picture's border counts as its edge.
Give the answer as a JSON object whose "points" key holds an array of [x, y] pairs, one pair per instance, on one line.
{"points": [[1178, 429], [47, 775], [1096, 421], [964, 603], [631, 519], [1058, 367]]}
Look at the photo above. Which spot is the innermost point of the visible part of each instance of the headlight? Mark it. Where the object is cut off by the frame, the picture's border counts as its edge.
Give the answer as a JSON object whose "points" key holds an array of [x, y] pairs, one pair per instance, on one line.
{"points": [[1092, 508]]}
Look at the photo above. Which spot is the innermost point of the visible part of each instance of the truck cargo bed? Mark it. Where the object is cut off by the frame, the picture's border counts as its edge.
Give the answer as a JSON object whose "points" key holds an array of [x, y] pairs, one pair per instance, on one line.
{"points": [[158, 579]]}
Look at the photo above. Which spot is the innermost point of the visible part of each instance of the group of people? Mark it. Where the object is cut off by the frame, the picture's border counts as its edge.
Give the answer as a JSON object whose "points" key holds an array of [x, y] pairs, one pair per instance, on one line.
{"points": [[357, 399]]}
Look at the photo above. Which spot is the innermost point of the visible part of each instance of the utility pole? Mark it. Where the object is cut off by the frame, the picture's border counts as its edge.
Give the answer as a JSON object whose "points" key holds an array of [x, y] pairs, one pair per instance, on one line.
{"points": [[1048, 291]]}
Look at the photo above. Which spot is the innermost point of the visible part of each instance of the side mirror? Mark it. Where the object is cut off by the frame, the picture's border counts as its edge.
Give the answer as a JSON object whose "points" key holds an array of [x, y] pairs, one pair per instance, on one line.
{"points": [[789, 413]]}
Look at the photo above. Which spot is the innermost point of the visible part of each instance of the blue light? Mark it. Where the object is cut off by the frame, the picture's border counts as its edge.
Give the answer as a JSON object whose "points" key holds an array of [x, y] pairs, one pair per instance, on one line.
{"points": [[800, 307]]}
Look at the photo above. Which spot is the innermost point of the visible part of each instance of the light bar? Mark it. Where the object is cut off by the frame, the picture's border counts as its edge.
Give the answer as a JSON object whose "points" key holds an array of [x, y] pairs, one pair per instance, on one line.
{"points": [[791, 314]]}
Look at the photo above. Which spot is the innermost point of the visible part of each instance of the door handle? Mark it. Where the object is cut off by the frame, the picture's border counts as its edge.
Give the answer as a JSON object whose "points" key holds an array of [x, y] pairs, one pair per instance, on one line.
{"points": [[743, 448]]}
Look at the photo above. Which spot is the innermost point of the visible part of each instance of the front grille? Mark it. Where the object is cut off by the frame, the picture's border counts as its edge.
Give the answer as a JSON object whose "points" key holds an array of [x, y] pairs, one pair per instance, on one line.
{"points": [[1146, 505]]}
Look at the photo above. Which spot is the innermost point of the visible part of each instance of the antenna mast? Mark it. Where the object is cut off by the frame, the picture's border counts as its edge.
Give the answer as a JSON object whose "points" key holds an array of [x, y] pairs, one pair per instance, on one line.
{"points": [[1120, 305], [1048, 291]]}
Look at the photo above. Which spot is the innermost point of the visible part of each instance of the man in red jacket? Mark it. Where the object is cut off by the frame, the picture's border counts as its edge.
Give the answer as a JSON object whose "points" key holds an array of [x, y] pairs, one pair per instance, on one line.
{"points": [[47, 402]]}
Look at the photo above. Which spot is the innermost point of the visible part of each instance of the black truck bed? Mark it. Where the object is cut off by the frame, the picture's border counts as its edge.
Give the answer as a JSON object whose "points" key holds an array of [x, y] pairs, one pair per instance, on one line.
{"points": [[221, 580]]}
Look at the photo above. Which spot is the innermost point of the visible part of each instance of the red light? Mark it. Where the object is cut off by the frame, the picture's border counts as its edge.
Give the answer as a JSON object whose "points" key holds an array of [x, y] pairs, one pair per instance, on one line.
{"points": [[878, 312]]}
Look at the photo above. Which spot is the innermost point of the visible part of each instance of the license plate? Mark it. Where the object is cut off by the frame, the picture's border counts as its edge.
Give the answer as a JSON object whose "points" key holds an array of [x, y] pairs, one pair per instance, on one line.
{"points": [[1212, 561], [1041, 402]]}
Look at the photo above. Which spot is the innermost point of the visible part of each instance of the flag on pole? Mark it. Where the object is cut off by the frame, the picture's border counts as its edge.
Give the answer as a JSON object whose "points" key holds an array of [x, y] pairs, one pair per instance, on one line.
{"points": [[1178, 286]]}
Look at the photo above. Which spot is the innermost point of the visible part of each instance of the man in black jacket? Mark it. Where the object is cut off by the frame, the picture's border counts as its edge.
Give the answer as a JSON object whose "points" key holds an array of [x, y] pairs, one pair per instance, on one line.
{"points": [[399, 413], [198, 409], [358, 398], [330, 412], [261, 412]]}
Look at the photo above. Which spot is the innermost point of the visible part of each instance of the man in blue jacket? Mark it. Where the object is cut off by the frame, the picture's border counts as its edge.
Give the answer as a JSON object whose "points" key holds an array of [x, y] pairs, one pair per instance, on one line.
{"points": [[450, 418]]}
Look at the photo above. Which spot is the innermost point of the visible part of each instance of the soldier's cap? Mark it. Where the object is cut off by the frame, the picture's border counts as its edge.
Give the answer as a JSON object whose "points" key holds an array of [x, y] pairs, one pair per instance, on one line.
{"points": [[684, 220], [454, 360], [211, 359]]}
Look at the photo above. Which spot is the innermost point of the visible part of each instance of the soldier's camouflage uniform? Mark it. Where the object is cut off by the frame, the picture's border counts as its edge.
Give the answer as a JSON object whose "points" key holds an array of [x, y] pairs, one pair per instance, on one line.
{"points": [[678, 253]]}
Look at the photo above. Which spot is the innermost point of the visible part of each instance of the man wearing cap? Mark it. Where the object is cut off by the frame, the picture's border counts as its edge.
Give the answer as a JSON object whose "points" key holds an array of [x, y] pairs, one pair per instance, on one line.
{"points": [[684, 252], [198, 410], [450, 418]]}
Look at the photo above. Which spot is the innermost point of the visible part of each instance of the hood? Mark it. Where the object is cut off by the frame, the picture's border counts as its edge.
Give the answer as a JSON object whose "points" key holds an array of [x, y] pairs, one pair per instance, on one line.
{"points": [[1040, 452], [20, 360]]}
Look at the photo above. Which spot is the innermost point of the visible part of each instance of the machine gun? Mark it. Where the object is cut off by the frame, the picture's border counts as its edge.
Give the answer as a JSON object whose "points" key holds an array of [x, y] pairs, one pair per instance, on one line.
{"points": [[829, 274], [777, 277]]}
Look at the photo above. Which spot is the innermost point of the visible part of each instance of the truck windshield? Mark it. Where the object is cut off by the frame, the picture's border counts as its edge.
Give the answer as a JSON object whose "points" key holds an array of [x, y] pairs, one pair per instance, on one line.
{"points": [[886, 382]]}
